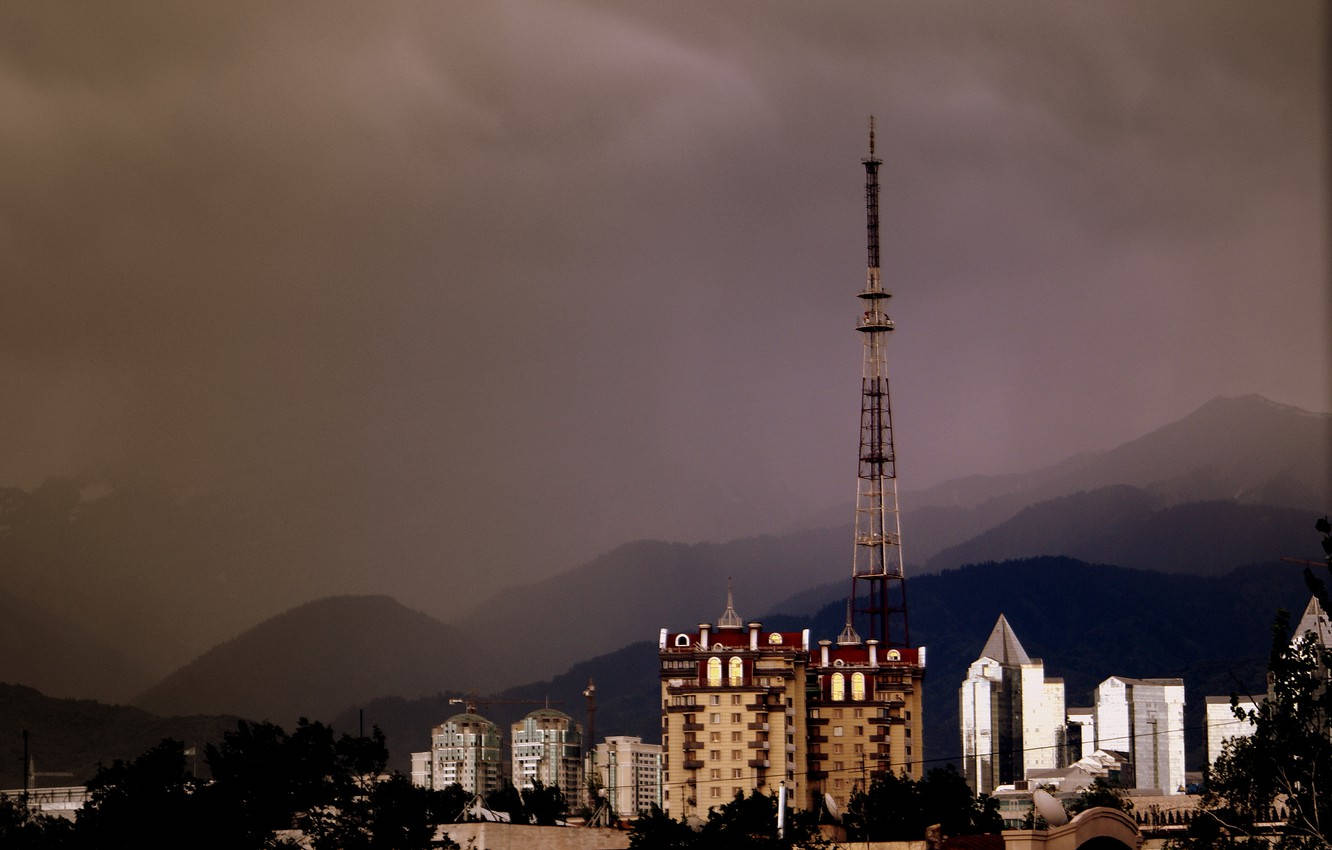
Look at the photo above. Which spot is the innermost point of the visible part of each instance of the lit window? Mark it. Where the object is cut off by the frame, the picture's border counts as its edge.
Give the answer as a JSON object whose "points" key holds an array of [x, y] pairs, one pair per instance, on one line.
{"points": [[775, 637], [857, 687], [838, 687], [837, 731], [714, 671], [894, 655], [735, 670]]}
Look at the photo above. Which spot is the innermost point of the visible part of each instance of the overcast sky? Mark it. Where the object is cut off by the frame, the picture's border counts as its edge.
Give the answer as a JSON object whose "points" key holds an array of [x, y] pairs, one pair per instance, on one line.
{"points": [[495, 286]]}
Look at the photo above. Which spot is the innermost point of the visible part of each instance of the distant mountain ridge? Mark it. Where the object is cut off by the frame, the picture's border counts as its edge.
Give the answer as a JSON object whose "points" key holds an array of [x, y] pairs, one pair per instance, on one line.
{"points": [[1180, 498], [1198, 492], [319, 658], [1245, 449], [1130, 527]]}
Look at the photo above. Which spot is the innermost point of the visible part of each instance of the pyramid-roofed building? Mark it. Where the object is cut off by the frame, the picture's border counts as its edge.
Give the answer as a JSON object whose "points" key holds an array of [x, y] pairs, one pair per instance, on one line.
{"points": [[1003, 645], [1012, 715], [1315, 620]]}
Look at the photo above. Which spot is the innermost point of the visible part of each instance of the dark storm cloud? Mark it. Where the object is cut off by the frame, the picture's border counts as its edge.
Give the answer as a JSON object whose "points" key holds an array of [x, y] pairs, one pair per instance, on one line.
{"points": [[469, 289]]}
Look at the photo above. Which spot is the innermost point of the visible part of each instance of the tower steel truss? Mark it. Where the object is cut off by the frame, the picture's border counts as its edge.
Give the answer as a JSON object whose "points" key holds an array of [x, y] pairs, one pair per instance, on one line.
{"points": [[878, 586]]}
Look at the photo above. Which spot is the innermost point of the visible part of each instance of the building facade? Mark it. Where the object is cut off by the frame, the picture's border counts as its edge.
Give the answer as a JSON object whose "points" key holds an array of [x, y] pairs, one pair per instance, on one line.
{"points": [[629, 772], [548, 747], [465, 749], [1223, 725], [1012, 716], [1145, 719], [732, 713], [864, 717]]}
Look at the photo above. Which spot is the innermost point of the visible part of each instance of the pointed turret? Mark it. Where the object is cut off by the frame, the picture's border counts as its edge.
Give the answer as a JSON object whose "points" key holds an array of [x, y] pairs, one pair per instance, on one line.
{"points": [[848, 637], [1003, 645], [729, 619]]}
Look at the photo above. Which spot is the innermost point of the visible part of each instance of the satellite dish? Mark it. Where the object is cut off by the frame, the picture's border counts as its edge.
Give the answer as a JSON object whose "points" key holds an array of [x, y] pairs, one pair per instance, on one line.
{"points": [[1050, 808], [831, 804]]}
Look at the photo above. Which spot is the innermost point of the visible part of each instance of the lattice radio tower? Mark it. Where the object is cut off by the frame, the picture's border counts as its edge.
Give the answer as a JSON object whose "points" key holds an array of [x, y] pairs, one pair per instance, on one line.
{"points": [[878, 587]]}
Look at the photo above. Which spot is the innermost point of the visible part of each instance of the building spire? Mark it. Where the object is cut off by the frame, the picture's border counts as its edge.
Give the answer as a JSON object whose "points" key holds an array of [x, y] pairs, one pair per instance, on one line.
{"points": [[848, 637], [729, 619]]}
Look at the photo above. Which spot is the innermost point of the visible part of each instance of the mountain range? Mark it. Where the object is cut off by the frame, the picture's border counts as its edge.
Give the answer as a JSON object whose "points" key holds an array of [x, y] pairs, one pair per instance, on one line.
{"points": [[1237, 482]]}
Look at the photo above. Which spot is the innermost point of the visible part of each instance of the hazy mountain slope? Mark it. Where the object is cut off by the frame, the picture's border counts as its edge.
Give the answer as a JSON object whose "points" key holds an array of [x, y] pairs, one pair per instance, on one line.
{"points": [[157, 576], [1128, 505], [1246, 449], [72, 736], [644, 585], [1129, 527], [317, 660], [59, 658]]}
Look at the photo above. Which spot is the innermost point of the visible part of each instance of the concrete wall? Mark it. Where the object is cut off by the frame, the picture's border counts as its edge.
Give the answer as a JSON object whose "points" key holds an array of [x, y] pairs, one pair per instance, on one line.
{"points": [[507, 836]]}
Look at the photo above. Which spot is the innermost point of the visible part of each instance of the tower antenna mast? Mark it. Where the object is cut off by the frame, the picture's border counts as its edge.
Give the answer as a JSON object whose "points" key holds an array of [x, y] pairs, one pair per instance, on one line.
{"points": [[878, 586]]}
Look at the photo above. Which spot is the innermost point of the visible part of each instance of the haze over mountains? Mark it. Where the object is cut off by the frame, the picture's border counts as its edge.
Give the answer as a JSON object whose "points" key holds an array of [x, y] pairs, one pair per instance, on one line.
{"points": [[1236, 482]]}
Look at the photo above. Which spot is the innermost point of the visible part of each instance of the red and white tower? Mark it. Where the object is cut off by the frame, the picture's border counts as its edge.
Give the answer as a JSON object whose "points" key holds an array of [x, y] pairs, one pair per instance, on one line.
{"points": [[878, 587]]}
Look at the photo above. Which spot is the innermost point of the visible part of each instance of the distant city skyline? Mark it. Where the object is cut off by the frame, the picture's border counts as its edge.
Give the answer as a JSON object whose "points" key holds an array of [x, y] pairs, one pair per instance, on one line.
{"points": [[478, 291]]}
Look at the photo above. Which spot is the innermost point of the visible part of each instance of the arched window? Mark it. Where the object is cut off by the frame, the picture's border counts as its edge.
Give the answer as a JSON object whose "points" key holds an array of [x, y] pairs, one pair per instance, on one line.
{"points": [[857, 686], [735, 671], [838, 687], [775, 638], [894, 655], [682, 640], [714, 671]]}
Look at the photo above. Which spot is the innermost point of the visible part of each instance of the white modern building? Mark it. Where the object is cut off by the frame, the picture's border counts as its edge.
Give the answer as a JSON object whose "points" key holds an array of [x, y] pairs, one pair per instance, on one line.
{"points": [[629, 772], [1081, 732], [464, 750], [1223, 725], [1145, 719], [1012, 716], [548, 747]]}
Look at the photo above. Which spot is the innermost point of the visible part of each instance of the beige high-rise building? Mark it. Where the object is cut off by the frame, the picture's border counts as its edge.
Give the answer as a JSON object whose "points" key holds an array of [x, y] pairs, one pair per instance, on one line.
{"points": [[865, 714], [629, 772], [732, 713]]}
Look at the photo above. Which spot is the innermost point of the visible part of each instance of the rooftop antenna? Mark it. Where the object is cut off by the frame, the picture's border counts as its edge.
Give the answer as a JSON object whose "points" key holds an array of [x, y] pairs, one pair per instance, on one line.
{"points": [[877, 556]]}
